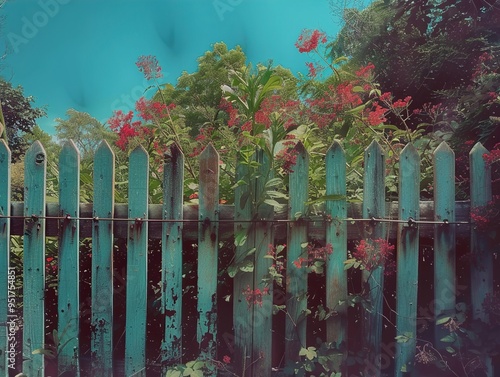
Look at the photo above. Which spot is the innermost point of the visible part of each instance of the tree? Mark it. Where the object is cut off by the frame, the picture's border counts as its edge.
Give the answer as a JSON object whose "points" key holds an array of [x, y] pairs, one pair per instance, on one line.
{"points": [[20, 116], [431, 51], [85, 131], [199, 94]]}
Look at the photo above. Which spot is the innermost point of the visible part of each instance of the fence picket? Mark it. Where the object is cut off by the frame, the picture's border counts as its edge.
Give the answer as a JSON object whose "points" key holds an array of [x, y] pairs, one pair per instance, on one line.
{"points": [[102, 262], [407, 259], [374, 206], [35, 165], [137, 264], [242, 316], [208, 230], [173, 195], [5, 282], [336, 235], [262, 312], [296, 277], [69, 252], [444, 236], [482, 264]]}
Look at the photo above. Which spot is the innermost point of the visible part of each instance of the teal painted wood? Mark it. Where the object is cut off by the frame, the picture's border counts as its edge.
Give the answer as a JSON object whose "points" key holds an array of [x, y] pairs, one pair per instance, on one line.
{"points": [[69, 252], [102, 262], [482, 265], [480, 196], [374, 206], [296, 278], [242, 315], [208, 239], [137, 264], [7, 293], [173, 196], [35, 166], [262, 314], [336, 235], [407, 258], [444, 237]]}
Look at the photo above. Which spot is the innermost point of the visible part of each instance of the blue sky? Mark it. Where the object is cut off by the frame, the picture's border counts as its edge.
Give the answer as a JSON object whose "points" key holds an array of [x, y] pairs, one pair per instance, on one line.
{"points": [[81, 54]]}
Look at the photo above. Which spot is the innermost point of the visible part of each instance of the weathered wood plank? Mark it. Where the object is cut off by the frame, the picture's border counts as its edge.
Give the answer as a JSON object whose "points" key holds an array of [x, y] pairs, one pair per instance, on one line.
{"points": [[35, 165], [296, 277], [482, 263], [336, 235], [315, 227], [407, 259], [69, 252], [6, 284], [374, 206], [208, 253], [444, 237], [244, 242], [172, 234], [263, 311], [102, 262], [137, 264]]}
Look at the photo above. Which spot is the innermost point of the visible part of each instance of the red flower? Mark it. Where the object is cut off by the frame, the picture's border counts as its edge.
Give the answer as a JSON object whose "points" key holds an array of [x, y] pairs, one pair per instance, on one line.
{"points": [[366, 71], [309, 40], [226, 359], [376, 116]]}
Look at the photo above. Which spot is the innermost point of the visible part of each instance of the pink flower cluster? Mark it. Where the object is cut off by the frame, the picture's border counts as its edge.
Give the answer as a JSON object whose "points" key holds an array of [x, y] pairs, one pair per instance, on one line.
{"points": [[314, 254], [493, 155], [374, 253], [149, 66], [287, 157], [123, 125], [485, 217], [254, 297]]}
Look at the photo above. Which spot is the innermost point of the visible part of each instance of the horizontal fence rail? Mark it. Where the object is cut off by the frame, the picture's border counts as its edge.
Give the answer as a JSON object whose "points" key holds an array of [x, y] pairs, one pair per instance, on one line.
{"points": [[253, 340]]}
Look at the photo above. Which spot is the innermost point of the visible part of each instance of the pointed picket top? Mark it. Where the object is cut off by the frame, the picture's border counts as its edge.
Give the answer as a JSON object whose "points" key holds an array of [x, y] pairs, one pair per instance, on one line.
{"points": [[444, 182], [69, 156], [139, 150], [374, 147], [443, 147], [374, 181], [209, 152], [410, 152], [335, 148], [480, 176], [300, 148], [37, 153], [175, 152], [103, 147]]}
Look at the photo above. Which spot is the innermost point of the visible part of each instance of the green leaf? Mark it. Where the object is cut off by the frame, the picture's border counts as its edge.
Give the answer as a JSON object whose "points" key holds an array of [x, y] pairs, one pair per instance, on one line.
{"points": [[273, 182], [273, 203], [246, 266], [240, 238], [450, 349], [232, 270], [55, 336], [448, 339], [173, 373], [443, 320]]}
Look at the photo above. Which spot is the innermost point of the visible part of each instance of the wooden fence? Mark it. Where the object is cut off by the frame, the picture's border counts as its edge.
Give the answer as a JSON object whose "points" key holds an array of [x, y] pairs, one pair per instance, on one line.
{"points": [[210, 222]]}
